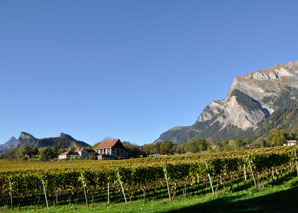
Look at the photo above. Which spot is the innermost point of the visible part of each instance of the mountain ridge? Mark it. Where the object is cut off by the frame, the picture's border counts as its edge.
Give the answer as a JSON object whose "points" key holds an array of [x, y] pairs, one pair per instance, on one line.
{"points": [[64, 141], [251, 99]]}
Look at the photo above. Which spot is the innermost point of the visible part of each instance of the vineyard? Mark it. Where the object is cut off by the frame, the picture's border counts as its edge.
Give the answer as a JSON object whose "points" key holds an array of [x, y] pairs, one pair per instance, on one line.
{"points": [[58, 183]]}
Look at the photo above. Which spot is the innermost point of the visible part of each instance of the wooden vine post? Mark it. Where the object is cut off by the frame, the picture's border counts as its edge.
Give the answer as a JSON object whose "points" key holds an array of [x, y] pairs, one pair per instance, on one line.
{"points": [[11, 194], [83, 180], [253, 175], [244, 171], [44, 190], [209, 176], [86, 197], [144, 193], [120, 182], [295, 153], [272, 173], [11, 199], [108, 190], [167, 181]]}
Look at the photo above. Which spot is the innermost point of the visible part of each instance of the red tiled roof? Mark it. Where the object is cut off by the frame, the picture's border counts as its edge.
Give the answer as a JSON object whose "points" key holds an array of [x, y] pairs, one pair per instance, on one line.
{"points": [[107, 143], [64, 153], [81, 149]]}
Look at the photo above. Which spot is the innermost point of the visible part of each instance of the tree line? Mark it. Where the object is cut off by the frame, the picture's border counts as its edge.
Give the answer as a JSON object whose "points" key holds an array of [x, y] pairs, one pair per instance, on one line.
{"points": [[26, 152], [277, 137]]}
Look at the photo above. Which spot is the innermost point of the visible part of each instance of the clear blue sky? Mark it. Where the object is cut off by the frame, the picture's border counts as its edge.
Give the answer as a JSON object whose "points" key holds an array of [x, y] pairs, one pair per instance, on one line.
{"points": [[130, 69]]}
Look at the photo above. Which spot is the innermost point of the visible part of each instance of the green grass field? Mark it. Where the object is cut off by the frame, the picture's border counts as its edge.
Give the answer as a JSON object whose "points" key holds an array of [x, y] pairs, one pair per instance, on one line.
{"points": [[278, 198]]}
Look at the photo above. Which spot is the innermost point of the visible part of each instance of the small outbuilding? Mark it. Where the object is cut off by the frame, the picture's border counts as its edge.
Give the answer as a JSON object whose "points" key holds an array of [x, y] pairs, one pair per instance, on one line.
{"points": [[291, 143], [68, 155], [86, 153]]}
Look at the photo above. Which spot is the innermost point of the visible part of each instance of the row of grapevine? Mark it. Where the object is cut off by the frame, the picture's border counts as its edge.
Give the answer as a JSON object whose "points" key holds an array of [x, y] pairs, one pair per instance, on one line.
{"points": [[6, 166], [125, 183]]}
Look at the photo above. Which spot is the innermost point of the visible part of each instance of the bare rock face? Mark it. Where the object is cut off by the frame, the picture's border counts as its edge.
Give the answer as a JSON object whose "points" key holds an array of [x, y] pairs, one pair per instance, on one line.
{"points": [[250, 100], [211, 110]]}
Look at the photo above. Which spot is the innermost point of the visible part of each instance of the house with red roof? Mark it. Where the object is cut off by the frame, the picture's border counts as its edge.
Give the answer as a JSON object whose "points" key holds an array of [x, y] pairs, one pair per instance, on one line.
{"points": [[111, 150]]}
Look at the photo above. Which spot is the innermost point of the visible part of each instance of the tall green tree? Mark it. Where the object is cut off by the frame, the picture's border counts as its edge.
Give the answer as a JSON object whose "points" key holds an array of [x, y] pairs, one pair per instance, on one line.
{"points": [[166, 148], [180, 149], [49, 153], [132, 149], [198, 145], [191, 146], [261, 142], [26, 151], [277, 137]]}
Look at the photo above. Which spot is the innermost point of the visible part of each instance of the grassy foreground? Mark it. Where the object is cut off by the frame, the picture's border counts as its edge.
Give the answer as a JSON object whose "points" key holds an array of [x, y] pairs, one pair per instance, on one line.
{"points": [[279, 198]]}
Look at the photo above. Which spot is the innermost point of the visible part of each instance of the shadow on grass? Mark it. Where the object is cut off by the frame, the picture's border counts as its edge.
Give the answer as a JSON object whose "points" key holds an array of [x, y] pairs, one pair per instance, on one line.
{"points": [[284, 201]]}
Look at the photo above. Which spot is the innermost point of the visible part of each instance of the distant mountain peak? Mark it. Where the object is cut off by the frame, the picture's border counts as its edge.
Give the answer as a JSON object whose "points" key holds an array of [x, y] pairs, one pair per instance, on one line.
{"points": [[25, 135], [277, 71], [108, 138], [66, 136], [10, 142], [12, 139], [251, 99], [293, 63]]}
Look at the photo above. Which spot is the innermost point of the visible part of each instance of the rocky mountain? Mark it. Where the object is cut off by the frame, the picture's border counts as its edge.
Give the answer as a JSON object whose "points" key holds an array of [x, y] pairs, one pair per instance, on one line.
{"points": [[251, 100], [64, 142], [10, 142]]}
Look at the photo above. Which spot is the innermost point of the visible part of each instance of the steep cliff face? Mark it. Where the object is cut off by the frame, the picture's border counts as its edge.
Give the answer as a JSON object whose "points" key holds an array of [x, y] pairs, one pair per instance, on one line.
{"points": [[251, 99]]}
